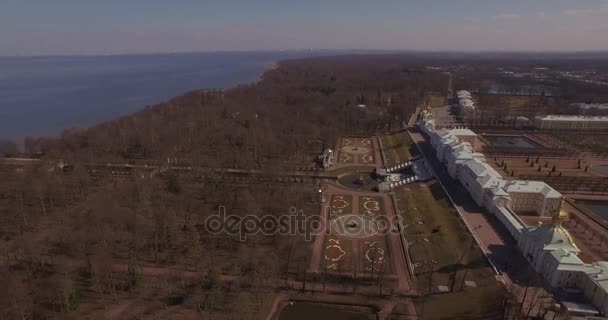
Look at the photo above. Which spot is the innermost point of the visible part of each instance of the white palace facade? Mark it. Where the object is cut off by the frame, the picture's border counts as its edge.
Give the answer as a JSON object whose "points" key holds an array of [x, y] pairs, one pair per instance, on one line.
{"points": [[548, 247]]}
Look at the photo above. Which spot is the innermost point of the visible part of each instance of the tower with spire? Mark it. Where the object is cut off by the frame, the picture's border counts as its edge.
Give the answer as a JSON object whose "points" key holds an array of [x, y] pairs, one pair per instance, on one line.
{"points": [[427, 118]]}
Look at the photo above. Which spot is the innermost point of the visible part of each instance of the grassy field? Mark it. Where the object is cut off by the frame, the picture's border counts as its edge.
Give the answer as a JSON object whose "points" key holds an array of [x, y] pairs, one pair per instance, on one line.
{"points": [[517, 104], [398, 147], [435, 232], [339, 253], [341, 204], [436, 100], [586, 142]]}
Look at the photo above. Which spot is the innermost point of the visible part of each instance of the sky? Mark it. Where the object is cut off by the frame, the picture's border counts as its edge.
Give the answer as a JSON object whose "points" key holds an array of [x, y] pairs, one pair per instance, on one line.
{"points": [[57, 27]]}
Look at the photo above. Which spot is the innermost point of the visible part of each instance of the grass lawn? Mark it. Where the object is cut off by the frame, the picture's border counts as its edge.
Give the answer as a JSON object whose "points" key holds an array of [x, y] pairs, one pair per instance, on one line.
{"points": [[587, 142], [398, 147], [437, 101], [436, 232], [341, 204], [339, 252]]}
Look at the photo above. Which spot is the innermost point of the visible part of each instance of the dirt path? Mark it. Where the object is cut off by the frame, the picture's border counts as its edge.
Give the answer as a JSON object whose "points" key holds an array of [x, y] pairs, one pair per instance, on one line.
{"points": [[317, 246], [387, 309], [397, 249], [279, 302]]}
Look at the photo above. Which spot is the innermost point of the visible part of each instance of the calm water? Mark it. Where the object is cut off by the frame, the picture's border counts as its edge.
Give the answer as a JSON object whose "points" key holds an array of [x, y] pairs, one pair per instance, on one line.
{"points": [[307, 311], [602, 168], [598, 207], [511, 142], [42, 96]]}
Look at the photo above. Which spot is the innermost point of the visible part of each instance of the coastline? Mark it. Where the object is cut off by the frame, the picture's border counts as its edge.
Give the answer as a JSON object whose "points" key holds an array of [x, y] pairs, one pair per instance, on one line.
{"points": [[55, 100]]}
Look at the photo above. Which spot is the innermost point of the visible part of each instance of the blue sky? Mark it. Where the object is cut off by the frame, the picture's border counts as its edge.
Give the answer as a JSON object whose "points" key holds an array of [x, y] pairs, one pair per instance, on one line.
{"points": [[48, 27]]}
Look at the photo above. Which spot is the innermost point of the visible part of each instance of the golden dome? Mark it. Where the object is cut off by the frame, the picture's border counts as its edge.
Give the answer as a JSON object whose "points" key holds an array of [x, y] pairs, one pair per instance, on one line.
{"points": [[553, 236], [559, 217], [428, 108]]}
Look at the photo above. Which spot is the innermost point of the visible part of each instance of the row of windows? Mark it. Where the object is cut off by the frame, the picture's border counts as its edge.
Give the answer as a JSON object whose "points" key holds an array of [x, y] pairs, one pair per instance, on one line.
{"points": [[520, 195], [527, 201]]}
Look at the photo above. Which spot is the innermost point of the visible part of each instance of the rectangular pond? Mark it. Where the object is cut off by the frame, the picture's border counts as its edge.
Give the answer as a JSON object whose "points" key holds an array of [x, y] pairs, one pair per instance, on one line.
{"points": [[598, 207], [506, 141], [310, 310]]}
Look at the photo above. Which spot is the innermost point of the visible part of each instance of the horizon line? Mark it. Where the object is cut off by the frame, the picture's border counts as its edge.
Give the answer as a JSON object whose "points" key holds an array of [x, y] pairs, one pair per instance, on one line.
{"points": [[372, 51]]}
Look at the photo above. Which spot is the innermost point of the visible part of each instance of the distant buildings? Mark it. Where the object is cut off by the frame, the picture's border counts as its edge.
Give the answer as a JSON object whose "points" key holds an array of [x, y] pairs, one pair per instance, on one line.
{"points": [[587, 106], [519, 90], [559, 122], [548, 247], [465, 100]]}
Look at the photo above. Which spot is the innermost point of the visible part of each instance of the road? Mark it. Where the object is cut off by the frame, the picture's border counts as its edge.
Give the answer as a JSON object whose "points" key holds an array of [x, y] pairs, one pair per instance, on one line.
{"points": [[127, 168]]}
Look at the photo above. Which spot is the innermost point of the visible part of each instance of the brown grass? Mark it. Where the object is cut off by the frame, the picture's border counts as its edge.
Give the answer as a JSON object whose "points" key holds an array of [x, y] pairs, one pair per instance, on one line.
{"points": [[398, 147], [487, 304], [428, 214], [437, 101]]}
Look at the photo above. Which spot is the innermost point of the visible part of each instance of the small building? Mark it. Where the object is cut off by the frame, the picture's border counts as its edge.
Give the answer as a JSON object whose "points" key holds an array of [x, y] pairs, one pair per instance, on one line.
{"points": [[465, 100], [326, 159]]}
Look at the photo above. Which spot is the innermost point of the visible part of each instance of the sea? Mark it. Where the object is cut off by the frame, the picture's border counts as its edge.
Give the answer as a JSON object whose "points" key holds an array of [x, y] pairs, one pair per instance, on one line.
{"points": [[41, 96]]}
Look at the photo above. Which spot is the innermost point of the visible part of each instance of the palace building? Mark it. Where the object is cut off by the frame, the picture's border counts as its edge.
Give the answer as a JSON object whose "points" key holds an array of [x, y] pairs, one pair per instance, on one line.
{"points": [[563, 122], [548, 247]]}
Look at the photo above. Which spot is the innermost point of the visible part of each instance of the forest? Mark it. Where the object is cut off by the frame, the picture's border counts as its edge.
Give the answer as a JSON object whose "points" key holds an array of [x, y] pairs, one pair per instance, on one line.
{"points": [[80, 239], [80, 243]]}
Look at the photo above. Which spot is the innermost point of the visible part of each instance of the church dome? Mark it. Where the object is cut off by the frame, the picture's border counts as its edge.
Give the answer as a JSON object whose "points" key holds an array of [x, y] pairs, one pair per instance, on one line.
{"points": [[553, 236]]}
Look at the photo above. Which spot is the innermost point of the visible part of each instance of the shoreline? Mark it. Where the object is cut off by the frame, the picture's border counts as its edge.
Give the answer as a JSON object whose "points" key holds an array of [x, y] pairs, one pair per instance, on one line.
{"points": [[49, 121]]}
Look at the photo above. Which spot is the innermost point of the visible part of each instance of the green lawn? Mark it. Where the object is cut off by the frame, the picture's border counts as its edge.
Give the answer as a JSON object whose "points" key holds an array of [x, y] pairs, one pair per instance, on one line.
{"points": [[398, 147], [436, 232], [437, 101]]}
